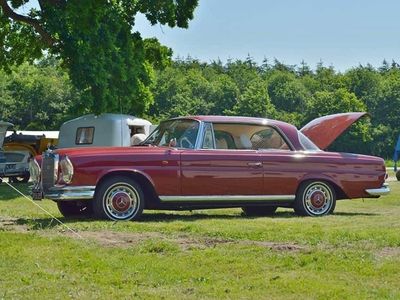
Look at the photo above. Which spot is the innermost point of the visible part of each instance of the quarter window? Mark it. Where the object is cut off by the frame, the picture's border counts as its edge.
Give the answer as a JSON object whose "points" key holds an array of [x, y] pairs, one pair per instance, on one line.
{"points": [[268, 138], [208, 142]]}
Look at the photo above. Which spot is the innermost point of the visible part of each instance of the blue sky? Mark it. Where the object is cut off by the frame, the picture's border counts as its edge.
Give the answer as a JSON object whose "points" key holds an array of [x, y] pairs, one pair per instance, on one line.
{"points": [[338, 32]]}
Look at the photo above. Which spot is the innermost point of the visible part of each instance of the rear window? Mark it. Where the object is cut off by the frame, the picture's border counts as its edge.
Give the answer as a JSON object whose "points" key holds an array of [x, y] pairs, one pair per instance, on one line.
{"points": [[84, 136], [307, 143]]}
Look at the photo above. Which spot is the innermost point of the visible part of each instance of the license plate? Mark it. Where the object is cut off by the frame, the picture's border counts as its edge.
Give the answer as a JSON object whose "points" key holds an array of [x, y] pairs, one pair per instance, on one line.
{"points": [[10, 167]]}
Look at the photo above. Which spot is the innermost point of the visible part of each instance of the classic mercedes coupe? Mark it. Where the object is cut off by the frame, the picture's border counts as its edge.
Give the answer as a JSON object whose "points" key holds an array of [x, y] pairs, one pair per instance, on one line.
{"points": [[200, 162]]}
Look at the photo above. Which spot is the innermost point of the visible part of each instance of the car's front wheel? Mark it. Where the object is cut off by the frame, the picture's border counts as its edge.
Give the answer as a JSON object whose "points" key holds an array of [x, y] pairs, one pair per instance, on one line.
{"points": [[315, 198], [398, 175], [119, 198], [259, 211], [75, 208]]}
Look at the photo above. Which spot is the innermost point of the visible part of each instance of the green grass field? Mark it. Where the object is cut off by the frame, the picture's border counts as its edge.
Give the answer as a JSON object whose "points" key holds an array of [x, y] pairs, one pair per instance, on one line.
{"points": [[353, 254]]}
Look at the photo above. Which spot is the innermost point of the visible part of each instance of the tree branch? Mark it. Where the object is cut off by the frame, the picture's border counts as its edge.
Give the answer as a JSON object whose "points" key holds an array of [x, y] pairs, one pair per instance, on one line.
{"points": [[46, 37]]}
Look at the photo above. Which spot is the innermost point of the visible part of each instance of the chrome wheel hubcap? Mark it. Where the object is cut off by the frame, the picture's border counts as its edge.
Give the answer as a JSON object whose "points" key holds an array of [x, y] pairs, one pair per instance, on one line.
{"points": [[318, 198], [121, 201]]}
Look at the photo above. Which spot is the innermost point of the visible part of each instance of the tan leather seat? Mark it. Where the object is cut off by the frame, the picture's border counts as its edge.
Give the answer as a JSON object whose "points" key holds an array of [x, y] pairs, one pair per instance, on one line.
{"points": [[221, 143]]}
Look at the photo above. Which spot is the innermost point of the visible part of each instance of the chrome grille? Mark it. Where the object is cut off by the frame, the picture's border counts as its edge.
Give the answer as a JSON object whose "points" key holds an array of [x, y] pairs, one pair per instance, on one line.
{"points": [[49, 170]]}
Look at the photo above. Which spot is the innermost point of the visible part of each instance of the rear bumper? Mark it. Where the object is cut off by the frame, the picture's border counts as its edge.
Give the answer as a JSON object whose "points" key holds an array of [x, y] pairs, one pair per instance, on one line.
{"points": [[16, 169], [65, 193], [384, 190]]}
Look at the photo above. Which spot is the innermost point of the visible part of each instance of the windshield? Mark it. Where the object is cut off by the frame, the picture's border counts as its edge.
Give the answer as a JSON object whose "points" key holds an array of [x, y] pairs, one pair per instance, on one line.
{"points": [[174, 133]]}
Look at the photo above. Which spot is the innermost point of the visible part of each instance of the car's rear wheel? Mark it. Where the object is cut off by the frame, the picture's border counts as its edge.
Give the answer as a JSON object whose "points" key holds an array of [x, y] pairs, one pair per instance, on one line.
{"points": [[75, 208], [20, 179], [315, 198], [398, 175], [119, 198], [259, 211]]}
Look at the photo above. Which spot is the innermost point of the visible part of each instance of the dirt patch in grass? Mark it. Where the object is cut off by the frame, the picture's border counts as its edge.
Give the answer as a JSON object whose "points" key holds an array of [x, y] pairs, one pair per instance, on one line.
{"points": [[389, 252], [280, 246], [128, 239], [12, 224]]}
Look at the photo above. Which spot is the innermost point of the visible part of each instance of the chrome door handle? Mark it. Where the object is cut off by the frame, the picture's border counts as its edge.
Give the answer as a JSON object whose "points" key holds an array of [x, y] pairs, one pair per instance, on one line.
{"points": [[255, 164]]}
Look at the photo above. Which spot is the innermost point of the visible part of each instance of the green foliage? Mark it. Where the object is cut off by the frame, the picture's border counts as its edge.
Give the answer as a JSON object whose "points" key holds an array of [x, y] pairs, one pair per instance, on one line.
{"points": [[36, 97], [254, 101], [107, 61]]}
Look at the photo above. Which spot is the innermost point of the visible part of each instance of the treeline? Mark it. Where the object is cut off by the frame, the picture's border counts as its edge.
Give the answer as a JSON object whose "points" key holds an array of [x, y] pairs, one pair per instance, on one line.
{"points": [[41, 96]]}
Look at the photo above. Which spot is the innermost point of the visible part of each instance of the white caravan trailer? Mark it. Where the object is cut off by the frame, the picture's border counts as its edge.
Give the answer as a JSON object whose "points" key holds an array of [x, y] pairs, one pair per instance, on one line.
{"points": [[103, 130]]}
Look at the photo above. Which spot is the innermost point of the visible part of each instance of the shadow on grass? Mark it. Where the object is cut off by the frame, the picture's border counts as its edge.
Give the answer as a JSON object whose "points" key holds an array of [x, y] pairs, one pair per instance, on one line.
{"points": [[354, 214], [7, 193], [48, 223]]}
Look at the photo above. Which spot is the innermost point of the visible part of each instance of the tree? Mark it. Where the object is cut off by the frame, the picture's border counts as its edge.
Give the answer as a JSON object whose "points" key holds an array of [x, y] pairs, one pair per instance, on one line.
{"points": [[107, 61], [36, 97], [254, 102], [365, 83]]}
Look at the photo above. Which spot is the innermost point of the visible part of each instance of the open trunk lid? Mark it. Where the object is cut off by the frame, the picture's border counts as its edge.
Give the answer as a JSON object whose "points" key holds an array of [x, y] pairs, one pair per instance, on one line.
{"points": [[325, 130]]}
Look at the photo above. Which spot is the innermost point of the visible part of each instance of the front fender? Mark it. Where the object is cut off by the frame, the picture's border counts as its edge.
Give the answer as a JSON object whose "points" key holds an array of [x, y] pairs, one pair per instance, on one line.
{"points": [[124, 170]]}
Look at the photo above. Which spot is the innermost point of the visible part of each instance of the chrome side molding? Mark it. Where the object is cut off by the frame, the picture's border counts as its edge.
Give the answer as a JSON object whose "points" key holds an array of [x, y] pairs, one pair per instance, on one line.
{"points": [[228, 198]]}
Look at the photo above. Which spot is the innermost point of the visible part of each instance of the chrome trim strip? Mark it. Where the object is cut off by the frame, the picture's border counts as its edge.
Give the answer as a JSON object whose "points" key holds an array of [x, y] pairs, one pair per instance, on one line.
{"points": [[384, 190], [229, 198], [70, 193], [200, 135]]}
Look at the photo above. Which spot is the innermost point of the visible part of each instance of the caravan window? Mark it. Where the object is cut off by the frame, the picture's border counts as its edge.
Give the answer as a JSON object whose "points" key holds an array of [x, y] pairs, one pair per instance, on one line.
{"points": [[84, 136]]}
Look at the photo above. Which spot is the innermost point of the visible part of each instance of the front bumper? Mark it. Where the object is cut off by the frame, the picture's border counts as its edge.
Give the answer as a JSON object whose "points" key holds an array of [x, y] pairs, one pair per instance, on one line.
{"points": [[64, 193], [384, 190]]}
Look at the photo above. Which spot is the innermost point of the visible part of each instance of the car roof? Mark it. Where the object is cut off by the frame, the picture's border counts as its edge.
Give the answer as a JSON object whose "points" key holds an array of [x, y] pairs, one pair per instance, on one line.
{"points": [[237, 119]]}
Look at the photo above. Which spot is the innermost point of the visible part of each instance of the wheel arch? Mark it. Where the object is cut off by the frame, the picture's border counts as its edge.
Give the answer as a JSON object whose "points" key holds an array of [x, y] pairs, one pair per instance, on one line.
{"points": [[340, 194], [144, 181]]}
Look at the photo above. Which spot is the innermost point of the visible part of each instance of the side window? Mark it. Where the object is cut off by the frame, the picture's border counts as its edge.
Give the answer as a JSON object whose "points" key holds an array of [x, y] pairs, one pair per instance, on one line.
{"points": [[268, 138], [208, 141], [224, 140], [84, 136]]}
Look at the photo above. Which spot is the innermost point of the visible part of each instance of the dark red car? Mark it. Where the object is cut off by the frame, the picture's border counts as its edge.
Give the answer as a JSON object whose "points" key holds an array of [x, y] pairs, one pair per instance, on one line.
{"points": [[212, 162]]}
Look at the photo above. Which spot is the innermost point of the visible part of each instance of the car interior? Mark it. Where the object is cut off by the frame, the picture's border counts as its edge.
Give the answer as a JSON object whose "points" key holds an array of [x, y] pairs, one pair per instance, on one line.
{"points": [[242, 136]]}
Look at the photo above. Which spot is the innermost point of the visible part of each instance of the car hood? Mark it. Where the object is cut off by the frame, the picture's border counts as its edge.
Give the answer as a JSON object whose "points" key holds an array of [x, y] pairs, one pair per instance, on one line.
{"points": [[84, 151], [325, 130], [3, 130]]}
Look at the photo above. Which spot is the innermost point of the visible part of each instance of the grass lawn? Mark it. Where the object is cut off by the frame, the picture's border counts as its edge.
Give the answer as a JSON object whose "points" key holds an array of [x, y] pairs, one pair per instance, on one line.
{"points": [[353, 254]]}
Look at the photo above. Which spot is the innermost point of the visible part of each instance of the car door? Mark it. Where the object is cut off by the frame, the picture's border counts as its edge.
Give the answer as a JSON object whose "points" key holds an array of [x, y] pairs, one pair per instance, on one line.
{"points": [[210, 171], [280, 163]]}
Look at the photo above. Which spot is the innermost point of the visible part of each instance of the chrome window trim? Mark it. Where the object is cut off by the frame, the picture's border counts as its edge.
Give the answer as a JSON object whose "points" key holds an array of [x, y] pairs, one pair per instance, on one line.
{"points": [[280, 132], [228, 198], [204, 136], [200, 134]]}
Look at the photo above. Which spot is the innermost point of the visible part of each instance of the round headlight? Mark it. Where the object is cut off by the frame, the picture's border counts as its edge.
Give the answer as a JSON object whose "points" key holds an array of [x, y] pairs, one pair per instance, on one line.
{"points": [[67, 170], [34, 170]]}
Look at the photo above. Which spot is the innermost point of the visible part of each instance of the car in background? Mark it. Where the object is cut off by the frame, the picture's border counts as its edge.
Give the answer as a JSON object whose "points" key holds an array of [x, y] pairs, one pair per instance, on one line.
{"points": [[13, 164], [200, 162]]}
